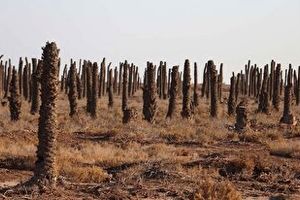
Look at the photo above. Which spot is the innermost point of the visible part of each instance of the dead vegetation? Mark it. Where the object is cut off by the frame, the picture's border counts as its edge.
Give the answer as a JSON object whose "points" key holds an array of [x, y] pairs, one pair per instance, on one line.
{"points": [[113, 153], [166, 160], [285, 149]]}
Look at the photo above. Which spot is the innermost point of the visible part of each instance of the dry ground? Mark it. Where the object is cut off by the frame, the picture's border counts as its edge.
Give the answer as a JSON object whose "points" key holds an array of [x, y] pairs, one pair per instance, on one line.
{"points": [[178, 159]]}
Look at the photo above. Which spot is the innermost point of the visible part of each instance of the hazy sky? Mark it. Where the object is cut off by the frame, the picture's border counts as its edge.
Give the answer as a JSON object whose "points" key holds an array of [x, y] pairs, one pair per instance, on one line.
{"points": [[228, 31]]}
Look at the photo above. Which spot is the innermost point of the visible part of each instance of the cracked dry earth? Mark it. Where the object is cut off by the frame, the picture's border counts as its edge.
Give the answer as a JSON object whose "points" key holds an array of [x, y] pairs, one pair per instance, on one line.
{"points": [[104, 159]]}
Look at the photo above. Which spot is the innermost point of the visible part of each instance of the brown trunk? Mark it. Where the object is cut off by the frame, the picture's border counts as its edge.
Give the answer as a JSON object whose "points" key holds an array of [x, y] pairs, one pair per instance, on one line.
{"points": [[196, 99], [241, 117], [14, 98], [173, 92], [120, 78], [149, 95], [231, 99], [94, 90], [36, 86], [125, 89], [88, 87], [186, 112], [220, 82], [110, 90], [213, 84], [72, 95], [203, 89], [276, 88], [45, 171]]}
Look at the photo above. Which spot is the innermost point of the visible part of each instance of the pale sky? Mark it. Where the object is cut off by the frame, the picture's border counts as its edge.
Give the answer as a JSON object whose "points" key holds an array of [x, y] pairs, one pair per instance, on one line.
{"points": [[228, 31]]}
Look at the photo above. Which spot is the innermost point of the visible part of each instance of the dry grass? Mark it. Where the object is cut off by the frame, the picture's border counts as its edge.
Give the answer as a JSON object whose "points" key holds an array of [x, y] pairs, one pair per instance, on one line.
{"points": [[82, 164], [15, 149], [285, 149], [178, 159], [90, 174], [104, 155], [209, 189]]}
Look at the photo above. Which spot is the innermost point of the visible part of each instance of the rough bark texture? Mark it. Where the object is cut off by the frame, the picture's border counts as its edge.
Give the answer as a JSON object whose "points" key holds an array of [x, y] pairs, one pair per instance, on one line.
{"points": [[259, 82], [204, 81], [88, 72], [237, 87], [281, 83], [1, 78], [36, 86], [272, 79], [72, 95], [298, 88], [101, 77], [110, 90], [276, 88], [158, 81], [83, 78], [63, 79], [173, 92], [247, 68], [285, 77], [169, 81], [129, 114], [220, 82], [180, 84], [241, 116], [34, 65], [66, 80], [186, 112], [4, 78], [115, 83], [120, 78], [250, 89], [45, 167], [107, 76], [213, 84], [145, 77], [208, 82], [288, 117], [196, 99], [20, 71], [103, 66], [130, 80], [164, 80], [263, 105], [78, 86], [295, 80], [8, 80], [231, 99], [149, 95], [124, 89], [136, 79], [254, 81], [133, 80], [242, 83], [29, 84], [14, 98], [94, 90], [25, 82]]}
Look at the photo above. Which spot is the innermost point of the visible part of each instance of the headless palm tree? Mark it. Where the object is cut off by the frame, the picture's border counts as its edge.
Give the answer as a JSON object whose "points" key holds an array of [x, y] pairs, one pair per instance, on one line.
{"points": [[45, 172]]}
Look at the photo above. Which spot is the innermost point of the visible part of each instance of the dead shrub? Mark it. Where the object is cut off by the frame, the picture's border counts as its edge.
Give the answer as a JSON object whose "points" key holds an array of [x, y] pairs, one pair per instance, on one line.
{"points": [[89, 174], [242, 166], [285, 149], [209, 189]]}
